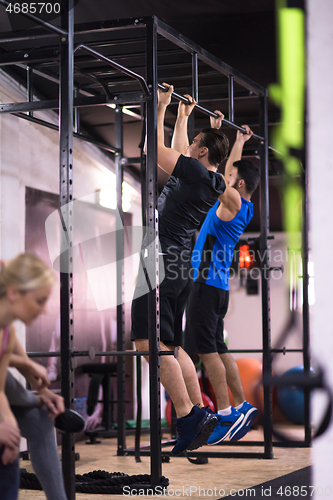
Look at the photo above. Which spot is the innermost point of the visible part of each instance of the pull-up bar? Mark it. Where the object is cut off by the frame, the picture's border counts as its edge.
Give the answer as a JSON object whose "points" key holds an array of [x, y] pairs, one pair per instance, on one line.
{"points": [[210, 113], [121, 68]]}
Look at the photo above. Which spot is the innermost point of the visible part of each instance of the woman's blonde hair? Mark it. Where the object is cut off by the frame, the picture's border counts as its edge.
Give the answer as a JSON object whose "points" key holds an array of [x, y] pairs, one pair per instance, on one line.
{"points": [[27, 272]]}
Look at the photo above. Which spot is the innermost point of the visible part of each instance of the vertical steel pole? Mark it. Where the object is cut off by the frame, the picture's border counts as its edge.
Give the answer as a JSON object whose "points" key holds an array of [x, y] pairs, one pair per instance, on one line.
{"points": [[305, 307], [120, 277], [66, 209], [30, 90], [76, 115], [152, 259], [195, 80], [231, 98], [265, 276], [195, 95]]}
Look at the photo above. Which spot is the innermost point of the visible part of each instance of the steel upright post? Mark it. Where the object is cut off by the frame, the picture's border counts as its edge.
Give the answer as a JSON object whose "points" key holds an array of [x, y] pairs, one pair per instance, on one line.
{"points": [[265, 276], [121, 421], [305, 307], [30, 89], [231, 107], [195, 95], [66, 211], [152, 258]]}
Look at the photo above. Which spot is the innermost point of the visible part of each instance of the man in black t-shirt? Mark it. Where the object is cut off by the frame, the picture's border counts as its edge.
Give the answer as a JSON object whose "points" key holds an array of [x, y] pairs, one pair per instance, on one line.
{"points": [[192, 189]]}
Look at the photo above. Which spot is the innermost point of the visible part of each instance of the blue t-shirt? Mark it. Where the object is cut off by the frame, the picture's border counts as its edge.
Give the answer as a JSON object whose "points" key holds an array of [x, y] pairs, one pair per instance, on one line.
{"points": [[213, 252]]}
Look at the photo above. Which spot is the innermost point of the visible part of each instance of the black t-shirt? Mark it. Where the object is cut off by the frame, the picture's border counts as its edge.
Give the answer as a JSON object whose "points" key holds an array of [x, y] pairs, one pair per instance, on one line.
{"points": [[184, 202]]}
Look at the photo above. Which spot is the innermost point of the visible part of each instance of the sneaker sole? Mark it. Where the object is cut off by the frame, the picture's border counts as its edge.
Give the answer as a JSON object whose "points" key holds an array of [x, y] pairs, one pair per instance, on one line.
{"points": [[235, 425], [70, 422], [245, 425], [207, 428]]}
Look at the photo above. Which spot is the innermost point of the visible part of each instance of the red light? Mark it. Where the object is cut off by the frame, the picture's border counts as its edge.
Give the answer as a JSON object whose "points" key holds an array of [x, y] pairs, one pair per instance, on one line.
{"points": [[245, 259]]}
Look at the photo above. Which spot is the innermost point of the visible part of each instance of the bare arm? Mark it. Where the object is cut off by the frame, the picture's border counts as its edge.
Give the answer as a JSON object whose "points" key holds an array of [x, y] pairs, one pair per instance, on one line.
{"points": [[10, 434], [166, 157], [180, 140], [237, 149], [230, 199], [35, 373], [6, 414]]}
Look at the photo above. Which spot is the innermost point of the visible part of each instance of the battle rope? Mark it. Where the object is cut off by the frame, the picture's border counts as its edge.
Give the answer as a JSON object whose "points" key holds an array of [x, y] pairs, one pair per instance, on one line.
{"points": [[96, 482]]}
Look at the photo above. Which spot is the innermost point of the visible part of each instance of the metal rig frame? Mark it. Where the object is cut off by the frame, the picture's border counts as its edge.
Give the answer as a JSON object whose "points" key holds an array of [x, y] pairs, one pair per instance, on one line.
{"points": [[95, 78]]}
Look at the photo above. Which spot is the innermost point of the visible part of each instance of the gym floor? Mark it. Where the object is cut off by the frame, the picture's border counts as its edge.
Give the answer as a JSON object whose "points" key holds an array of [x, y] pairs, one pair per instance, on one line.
{"points": [[222, 476]]}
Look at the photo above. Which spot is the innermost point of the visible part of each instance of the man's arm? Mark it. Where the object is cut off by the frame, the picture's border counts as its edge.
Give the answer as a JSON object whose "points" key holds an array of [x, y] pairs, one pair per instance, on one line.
{"points": [[230, 199], [237, 149], [166, 157], [180, 140]]}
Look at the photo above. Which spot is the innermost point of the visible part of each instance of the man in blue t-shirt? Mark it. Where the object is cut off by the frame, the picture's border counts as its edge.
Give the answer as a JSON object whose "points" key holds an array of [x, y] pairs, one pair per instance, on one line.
{"points": [[192, 189], [208, 302]]}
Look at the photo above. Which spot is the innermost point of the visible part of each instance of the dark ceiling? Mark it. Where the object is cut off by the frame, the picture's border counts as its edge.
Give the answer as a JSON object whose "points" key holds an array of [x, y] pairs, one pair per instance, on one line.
{"points": [[241, 33]]}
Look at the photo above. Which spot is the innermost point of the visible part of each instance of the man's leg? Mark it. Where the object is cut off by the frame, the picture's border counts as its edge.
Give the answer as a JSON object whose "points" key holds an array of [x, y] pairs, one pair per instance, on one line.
{"points": [[222, 372], [244, 407], [190, 377], [217, 376], [229, 419], [171, 378], [233, 379], [194, 424]]}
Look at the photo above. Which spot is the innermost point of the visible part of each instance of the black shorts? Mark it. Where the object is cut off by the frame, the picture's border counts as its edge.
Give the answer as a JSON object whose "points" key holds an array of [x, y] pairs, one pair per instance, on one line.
{"points": [[174, 291], [207, 307]]}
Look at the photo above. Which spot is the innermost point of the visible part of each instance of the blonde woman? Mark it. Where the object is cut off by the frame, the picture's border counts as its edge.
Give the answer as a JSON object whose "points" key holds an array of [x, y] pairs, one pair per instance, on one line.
{"points": [[9, 431], [25, 286]]}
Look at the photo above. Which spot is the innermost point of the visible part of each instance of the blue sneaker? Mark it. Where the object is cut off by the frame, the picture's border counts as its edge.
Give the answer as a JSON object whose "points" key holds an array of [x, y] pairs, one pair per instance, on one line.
{"points": [[193, 431], [250, 414], [226, 424]]}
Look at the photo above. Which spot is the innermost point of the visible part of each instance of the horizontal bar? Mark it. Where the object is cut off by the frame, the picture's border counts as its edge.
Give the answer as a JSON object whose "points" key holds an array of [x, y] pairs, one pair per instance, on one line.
{"points": [[101, 100], [25, 35], [210, 113], [83, 29], [44, 354], [171, 442], [163, 353], [208, 454], [53, 78], [282, 350], [291, 443], [29, 57], [126, 353], [57, 354], [128, 161], [121, 68], [37, 20], [52, 126]]}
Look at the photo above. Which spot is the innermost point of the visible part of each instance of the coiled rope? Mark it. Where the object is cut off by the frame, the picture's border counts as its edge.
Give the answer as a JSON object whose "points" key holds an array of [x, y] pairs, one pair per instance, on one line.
{"points": [[96, 482]]}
